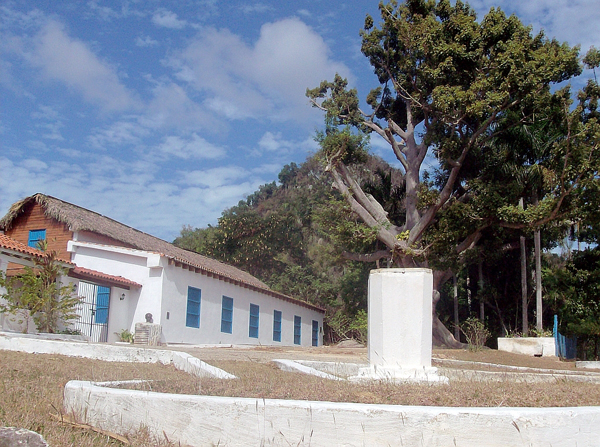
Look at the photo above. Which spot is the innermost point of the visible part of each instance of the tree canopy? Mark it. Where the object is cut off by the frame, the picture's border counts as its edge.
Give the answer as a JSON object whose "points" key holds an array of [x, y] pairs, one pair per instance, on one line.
{"points": [[477, 97]]}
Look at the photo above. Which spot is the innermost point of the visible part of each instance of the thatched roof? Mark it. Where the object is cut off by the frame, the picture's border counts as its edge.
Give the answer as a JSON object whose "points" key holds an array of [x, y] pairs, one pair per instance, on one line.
{"points": [[81, 219]]}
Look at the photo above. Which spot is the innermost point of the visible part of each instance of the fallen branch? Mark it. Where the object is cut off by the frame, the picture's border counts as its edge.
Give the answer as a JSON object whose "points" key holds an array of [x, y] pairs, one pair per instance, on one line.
{"points": [[66, 419]]}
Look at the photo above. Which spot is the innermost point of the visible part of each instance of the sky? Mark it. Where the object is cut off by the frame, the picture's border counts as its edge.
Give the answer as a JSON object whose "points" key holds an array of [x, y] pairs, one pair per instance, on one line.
{"points": [[161, 114]]}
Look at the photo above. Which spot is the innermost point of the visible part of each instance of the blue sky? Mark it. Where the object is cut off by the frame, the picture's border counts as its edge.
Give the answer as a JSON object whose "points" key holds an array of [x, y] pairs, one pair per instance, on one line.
{"points": [[161, 114]]}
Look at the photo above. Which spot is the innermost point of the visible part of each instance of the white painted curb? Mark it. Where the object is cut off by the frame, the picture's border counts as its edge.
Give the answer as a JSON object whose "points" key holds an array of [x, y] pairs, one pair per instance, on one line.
{"points": [[590, 364], [229, 421], [112, 353], [292, 366]]}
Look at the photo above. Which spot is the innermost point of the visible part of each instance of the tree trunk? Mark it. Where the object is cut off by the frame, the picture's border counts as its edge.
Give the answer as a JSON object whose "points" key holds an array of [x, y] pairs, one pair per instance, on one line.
{"points": [[538, 282], [524, 306], [456, 319], [441, 335], [480, 292]]}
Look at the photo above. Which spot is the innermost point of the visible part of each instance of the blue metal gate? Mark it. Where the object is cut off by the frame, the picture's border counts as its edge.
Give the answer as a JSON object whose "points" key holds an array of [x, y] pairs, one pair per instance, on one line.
{"points": [[566, 348], [93, 311]]}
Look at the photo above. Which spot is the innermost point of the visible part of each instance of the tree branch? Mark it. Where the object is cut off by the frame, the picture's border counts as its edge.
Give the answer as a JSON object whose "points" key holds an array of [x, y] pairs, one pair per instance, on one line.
{"points": [[368, 257]]}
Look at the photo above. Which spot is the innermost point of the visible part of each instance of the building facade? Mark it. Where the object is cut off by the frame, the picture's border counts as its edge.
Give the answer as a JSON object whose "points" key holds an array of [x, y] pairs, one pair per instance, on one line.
{"points": [[124, 275]]}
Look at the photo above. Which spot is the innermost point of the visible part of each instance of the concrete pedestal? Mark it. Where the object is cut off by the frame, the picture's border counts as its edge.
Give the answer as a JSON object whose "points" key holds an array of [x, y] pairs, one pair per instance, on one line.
{"points": [[400, 333], [147, 334]]}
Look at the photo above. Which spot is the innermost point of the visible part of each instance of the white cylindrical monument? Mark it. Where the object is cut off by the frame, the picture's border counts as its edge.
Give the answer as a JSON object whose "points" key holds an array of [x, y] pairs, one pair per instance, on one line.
{"points": [[400, 333]]}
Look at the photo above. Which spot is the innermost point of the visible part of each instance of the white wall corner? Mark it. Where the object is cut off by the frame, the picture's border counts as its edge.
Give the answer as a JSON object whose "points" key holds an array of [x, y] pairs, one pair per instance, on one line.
{"points": [[153, 261], [71, 246]]}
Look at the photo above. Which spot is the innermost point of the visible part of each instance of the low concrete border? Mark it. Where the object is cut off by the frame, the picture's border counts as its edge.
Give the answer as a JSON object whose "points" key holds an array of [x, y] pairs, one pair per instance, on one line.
{"points": [[537, 346], [208, 420], [341, 371], [589, 364], [112, 353], [293, 366]]}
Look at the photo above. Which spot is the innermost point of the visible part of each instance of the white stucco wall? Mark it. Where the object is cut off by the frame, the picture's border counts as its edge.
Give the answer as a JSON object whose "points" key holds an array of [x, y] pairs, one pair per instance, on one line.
{"points": [[175, 289], [165, 289], [130, 264], [118, 312]]}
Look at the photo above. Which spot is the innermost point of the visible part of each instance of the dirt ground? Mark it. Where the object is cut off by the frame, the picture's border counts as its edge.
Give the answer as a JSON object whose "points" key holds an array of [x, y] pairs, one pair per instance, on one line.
{"points": [[354, 353]]}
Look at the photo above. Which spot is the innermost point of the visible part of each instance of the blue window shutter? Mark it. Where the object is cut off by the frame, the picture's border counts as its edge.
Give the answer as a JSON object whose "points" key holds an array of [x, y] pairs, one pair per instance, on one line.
{"points": [[192, 318], [297, 330], [276, 325], [254, 318], [35, 236], [102, 300], [227, 315], [315, 333]]}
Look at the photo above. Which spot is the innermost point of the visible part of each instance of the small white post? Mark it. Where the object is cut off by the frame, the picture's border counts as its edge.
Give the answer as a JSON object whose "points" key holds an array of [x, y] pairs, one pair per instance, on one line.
{"points": [[400, 332]]}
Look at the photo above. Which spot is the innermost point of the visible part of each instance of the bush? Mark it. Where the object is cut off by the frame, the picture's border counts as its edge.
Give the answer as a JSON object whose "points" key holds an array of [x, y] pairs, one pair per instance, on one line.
{"points": [[475, 333], [349, 327], [125, 336]]}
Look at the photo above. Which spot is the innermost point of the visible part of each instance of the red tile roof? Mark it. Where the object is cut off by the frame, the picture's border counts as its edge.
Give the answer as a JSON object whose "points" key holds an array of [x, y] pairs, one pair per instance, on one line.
{"points": [[10, 244], [82, 273]]}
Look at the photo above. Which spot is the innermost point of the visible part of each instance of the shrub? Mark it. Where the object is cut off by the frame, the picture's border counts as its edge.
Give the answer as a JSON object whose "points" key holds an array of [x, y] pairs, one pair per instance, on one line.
{"points": [[475, 333]]}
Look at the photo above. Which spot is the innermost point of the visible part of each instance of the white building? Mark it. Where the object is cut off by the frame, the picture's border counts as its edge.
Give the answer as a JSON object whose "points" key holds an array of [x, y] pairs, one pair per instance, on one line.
{"points": [[124, 274]]}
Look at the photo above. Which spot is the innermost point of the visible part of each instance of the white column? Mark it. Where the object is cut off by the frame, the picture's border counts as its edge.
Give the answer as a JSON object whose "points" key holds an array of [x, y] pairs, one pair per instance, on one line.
{"points": [[400, 333]]}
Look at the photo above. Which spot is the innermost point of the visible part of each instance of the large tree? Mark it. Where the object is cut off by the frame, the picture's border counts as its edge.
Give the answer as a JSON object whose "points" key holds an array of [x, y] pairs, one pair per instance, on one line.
{"points": [[448, 86]]}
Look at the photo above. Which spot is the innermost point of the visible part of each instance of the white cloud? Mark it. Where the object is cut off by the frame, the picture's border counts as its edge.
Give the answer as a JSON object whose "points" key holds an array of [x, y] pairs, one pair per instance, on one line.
{"points": [[145, 41], [104, 12], [304, 12], [34, 164], [268, 79], [280, 148], [118, 133], [215, 177], [171, 107], [259, 8], [271, 142], [168, 19], [70, 61], [52, 131], [194, 147], [46, 112], [53, 124], [130, 193]]}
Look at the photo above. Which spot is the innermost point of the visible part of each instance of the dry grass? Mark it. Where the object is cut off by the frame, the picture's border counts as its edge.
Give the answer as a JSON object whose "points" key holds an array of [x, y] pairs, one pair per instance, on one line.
{"points": [[31, 388], [265, 380], [504, 358]]}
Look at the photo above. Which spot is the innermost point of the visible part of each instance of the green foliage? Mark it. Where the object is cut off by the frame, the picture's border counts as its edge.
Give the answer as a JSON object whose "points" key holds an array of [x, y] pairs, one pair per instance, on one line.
{"points": [[467, 84], [125, 336], [39, 293], [475, 332], [345, 327], [592, 60], [577, 287], [342, 145], [573, 287]]}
